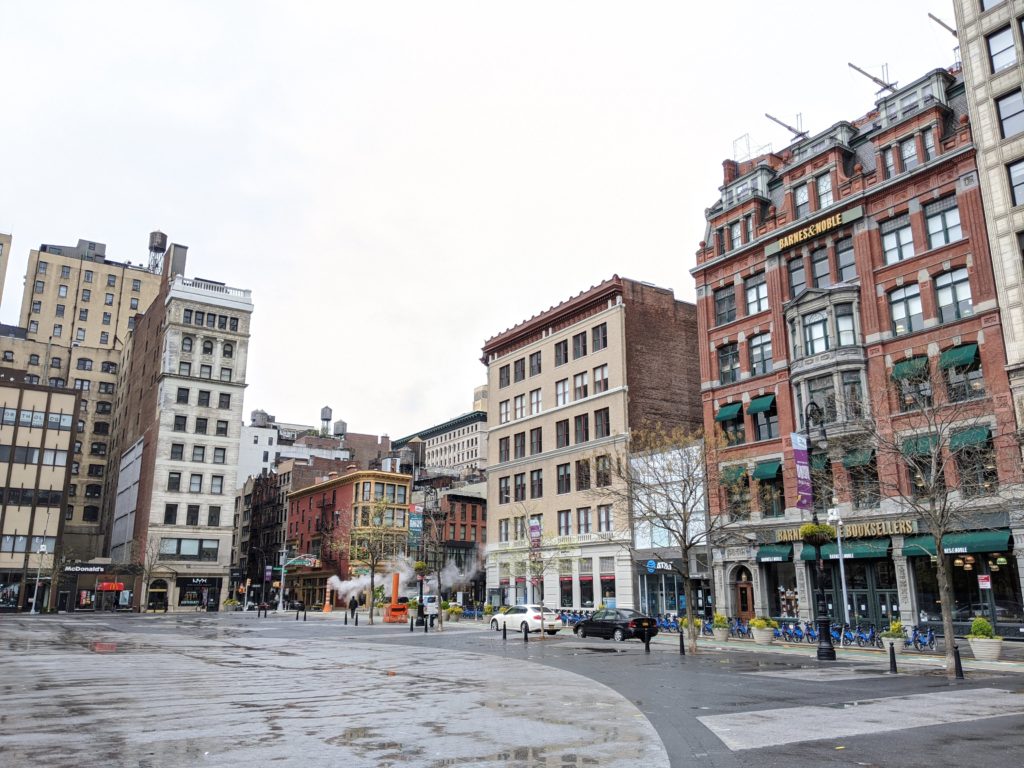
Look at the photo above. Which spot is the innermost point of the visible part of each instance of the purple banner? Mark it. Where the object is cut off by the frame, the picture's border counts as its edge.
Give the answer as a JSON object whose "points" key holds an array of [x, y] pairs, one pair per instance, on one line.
{"points": [[804, 487]]}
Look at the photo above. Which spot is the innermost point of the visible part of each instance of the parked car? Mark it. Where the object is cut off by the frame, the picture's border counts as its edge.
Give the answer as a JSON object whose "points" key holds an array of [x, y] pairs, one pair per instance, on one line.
{"points": [[519, 616], [617, 623]]}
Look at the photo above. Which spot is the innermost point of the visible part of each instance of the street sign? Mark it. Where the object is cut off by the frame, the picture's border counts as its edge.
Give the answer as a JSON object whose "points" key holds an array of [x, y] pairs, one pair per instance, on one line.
{"points": [[984, 581]]}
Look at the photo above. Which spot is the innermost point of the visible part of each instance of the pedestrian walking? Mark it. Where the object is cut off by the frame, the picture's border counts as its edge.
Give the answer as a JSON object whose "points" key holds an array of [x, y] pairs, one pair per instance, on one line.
{"points": [[352, 605]]}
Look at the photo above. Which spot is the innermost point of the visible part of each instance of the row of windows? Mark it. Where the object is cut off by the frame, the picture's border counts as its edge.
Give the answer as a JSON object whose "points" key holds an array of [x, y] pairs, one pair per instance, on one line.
{"points": [[516, 408], [86, 295], [195, 483], [191, 515], [30, 497], [80, 334], [23, 454], [201, 425], [203, 400], [209, 320], [198, 453], [27, 417], [189, 549], [42, 268], [377, 491], [15, 543], [514, 487], [581, 425], [205, 371], [584, 523], [188, 343], [517, 370]]}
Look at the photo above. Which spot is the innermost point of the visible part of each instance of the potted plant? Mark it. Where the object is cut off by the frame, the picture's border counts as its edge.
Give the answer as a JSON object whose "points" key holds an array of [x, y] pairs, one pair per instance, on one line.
{"points": [[445, 608], [455, 611], [986, 645], [764, 630], [488, 609], [720, 627], [232, 605], [895, 635]]}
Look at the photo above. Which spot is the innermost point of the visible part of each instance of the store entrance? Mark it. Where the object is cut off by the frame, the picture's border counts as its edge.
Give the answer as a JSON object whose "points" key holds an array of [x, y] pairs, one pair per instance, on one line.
{"points": [[744, 594]]}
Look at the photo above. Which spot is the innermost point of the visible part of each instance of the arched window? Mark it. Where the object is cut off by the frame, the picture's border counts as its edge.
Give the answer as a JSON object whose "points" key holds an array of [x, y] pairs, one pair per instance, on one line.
{"points": [[207, 347], [229, 350], [186, 344]]}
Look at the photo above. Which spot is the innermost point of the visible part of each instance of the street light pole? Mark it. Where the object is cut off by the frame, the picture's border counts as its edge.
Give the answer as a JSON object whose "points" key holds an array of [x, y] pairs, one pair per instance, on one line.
{"points": [[39, 565], [837, 521], [826, 651]]}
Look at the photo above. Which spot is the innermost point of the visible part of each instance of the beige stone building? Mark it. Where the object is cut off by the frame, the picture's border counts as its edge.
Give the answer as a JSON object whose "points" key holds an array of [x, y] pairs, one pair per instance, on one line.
{"points": [[565, 388], [992, 47], [76, 311], [37, 432]]}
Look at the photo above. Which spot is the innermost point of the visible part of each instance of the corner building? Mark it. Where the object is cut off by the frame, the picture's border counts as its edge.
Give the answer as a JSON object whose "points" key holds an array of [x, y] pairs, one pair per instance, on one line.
{"points": [[848, 261], [565, 389], [177, 423]]}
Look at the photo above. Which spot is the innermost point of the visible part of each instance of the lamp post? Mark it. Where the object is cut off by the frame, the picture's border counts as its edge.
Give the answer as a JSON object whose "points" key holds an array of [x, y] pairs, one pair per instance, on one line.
{"points": [[826, 651], [837, 521], [39, 564]]}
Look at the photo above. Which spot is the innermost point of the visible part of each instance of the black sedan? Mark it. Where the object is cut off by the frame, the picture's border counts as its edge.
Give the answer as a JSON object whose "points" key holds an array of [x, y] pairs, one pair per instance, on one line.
{"points": [[617, 623]]}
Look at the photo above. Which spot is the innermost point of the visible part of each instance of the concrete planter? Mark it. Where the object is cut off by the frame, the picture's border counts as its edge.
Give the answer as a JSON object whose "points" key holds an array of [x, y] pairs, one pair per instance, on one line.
{"points": [[721, 634], [897, 643], [763, 636], [986, 649]]}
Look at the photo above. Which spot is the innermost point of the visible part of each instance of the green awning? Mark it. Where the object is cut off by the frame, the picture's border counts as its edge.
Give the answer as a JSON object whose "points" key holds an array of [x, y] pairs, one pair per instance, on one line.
{"points": [[819, 461], [853, 549], [767, 470], [976, 541], [918, 446], [918, 546], [969, 437], [761, 404], [958, 357], [958, 543], [728, 412], [910, 369], [859, 458], [731, 475], [775, 553]]}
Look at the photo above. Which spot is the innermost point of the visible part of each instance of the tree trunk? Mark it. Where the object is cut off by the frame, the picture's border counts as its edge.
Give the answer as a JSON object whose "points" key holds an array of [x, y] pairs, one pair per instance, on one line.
{"points": [[691, 623], [946, 596], [440, 613], [370, 601]]}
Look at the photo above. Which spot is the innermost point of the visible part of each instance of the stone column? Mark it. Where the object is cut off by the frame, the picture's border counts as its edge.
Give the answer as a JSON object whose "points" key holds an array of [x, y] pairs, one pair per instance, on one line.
{"points": [[905, 586], [723, 595], [1017, 530], [804, 591]]}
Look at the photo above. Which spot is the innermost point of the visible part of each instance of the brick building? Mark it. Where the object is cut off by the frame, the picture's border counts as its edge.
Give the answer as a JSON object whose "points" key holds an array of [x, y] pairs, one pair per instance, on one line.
{"points": [[836, 273], [325, 518], [565, 388]]}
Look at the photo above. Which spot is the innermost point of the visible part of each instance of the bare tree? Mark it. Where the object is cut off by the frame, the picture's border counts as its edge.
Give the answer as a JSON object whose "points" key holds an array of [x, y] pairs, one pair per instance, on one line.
{"points": [[661, 481], [376, 541], [939, 453]]}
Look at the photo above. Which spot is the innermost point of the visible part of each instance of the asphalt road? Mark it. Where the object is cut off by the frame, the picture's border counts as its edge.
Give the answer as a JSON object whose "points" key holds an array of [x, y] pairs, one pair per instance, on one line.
{"points": [[231, 689]]}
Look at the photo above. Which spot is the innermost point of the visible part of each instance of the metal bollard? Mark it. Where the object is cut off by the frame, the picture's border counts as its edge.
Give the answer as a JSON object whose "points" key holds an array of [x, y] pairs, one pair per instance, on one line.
{"points": [[682, 644], [647, 640], [296, 614], [504, 630], [892, 658], [303, 614], [526, 633], [357, 619], [412, 624], [346, 619], [957, 666], [426, 624]]}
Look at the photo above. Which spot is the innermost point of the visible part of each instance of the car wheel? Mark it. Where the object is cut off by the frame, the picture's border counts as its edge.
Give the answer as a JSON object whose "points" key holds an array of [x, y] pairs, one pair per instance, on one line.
{"points": [[551, 631], [581, 632], [618, 635], [524, 627], [494, 624]]}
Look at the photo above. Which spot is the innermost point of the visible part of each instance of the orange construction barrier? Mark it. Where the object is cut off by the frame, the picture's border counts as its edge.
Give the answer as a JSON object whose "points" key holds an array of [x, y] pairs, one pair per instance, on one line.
{"points": [[395, 612]]}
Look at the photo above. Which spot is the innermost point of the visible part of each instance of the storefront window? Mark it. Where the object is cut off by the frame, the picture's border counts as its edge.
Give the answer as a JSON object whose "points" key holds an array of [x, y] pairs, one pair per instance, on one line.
{"points": [[10, 588], [587, 591], [782, 595], [1000, 603]]}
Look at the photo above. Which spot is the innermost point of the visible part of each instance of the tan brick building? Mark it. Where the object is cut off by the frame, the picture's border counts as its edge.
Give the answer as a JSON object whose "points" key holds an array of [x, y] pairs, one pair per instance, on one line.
{"points": [[565, 388]]}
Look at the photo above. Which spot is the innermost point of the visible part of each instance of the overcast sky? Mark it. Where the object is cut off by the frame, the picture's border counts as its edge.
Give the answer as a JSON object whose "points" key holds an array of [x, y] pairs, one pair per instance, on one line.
{"points": [[398, 182]]}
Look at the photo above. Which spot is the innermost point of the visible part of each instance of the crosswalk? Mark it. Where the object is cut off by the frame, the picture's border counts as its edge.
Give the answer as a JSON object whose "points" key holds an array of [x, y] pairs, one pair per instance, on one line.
{"points": [[789, 725]]}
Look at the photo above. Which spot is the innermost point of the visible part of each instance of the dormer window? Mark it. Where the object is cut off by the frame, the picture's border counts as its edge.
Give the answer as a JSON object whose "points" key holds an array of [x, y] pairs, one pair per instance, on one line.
{"points": [[908, 153]]}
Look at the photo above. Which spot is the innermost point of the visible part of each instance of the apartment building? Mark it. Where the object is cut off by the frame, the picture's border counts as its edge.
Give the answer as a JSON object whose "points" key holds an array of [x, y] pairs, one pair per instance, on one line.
{"points": [[177, 423], [77, 309], [37, 433], [458, 445], [845, 291], [565, 389]]}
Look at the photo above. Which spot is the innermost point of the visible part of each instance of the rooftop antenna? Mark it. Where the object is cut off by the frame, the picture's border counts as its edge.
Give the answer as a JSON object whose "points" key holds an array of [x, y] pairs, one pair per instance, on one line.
{"points": [[797, 133], [743, 149], [944, 25], [891, 87]]}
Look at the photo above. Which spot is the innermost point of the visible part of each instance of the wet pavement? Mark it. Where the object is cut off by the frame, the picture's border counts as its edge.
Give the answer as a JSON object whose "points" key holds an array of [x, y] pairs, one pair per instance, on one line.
{"points": [[155, 692]]}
